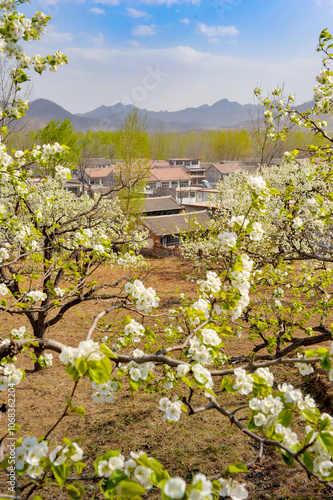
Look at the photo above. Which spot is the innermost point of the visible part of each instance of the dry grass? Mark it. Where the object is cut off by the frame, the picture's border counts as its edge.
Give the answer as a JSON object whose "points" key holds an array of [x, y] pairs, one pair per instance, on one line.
{"points": [[204, 442]]}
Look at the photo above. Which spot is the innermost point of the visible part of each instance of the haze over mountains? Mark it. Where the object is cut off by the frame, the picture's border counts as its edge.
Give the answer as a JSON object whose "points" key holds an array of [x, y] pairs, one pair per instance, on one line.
{"points": [[222, 114]]}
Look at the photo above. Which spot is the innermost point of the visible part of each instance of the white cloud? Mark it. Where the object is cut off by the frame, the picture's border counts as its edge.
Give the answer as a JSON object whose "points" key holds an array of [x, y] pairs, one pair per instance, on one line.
{"points": [[96, 10], [52, 35], [136, 13], [213, 40], [98, 40], [185, 21], [144, 30], [185, 77], [216, 31]]}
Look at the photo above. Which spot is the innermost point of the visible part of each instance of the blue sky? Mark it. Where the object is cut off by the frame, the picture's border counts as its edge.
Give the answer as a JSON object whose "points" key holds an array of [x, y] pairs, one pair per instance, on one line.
{"points": [[173, 54]]}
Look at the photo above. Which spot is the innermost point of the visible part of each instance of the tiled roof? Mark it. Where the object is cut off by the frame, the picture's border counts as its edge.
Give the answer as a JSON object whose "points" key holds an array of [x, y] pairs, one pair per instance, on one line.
{"points": [[170, 174], [98, 172], [228, 168], [160, 203], [164, 225]]}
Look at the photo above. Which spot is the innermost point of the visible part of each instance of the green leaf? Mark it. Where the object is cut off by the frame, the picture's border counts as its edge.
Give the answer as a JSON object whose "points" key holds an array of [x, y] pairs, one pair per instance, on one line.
{"points": [[325, 363], [288, 459], [311, 416], [186, 381], [235, 469], [284, 418], [81, 365], [79, 466], [325, 424], [129, 489], [105, 350], [5, 463], [100, 371], [135, 385], [127, 320], [79, 410], [73, 493], [227, 384], [61, 473], [251, 425], [22, 305], [308, 462], [326, 441], [73, 372], [150, 334]]}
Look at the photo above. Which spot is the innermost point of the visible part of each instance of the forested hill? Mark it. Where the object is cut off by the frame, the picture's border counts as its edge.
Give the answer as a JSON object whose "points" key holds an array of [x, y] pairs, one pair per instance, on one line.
{"points": [[222, 114]]}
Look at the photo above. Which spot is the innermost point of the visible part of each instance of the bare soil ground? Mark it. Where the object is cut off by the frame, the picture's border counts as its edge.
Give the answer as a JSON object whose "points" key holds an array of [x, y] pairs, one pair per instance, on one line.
{"points": [[204, 442]]}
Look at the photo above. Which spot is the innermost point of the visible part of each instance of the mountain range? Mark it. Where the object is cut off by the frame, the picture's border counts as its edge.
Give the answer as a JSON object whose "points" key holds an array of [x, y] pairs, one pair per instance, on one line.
{"points": [[222, 114]]}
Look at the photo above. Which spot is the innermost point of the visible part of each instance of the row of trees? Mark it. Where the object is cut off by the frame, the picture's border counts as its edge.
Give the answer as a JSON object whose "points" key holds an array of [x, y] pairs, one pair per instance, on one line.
{"points": [[209, 146], [51, 245]]}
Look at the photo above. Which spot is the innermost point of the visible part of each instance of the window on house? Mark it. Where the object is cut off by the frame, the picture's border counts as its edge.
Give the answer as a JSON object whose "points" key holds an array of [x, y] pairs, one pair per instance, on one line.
{"points": [[195, 162], [174, 184], [165, 184], [187, 163], [183, 184], [192, 195], [170, 241]]}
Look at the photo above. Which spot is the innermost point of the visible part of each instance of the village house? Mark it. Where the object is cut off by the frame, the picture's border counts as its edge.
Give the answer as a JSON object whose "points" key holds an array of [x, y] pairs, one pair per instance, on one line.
{"points": [[217, 171], [167, 178], [195, 198], [165, 230], [162, 205], [98, 176]]}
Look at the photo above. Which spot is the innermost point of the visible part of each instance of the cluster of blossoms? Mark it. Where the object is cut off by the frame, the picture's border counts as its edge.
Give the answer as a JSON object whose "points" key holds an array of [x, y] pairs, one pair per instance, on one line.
{"points": [[244, 381], [87, 349], [18, 333], [323, 93], [32, 452], [304, 368], [134, 331], [4, 254], [3, 289], [227, 240], [203, 377], [9, 375], [233, 489], [130, 467], [203, 306], [258, 185], [211, 285], [201, 488], [36, 295], [45, 359], [145, 299], [240, 220], [172, 409], [199, 348], [130, 260], [139, 371], [257, 231], [322, 463], [105, 392], [62, 173], [240, 279], [174, 488]]}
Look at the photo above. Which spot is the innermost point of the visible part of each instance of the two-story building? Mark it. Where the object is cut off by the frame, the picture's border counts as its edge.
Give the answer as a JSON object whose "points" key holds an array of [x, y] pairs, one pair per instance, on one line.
{"points": [[217, 171]]}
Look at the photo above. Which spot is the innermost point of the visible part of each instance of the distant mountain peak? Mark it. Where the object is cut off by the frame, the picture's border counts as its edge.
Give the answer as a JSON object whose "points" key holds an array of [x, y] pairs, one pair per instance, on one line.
{"points": [[221, 114]]}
